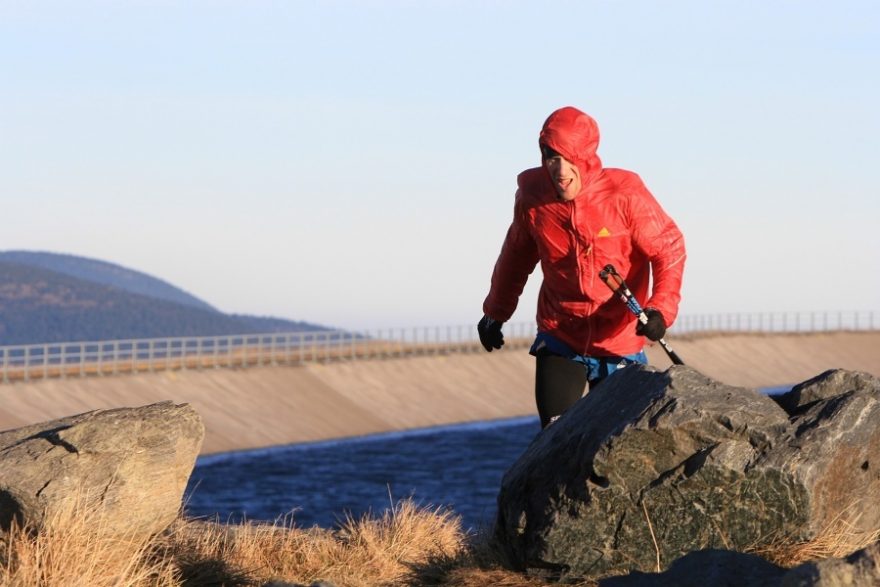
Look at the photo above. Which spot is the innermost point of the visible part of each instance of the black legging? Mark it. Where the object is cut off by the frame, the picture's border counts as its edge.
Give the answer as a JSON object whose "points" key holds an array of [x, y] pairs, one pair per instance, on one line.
{"points": [[559, 383]]}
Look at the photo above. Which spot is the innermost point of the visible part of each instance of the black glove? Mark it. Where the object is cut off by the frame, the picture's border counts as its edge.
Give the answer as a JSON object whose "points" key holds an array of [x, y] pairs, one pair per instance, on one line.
{"points": [[490, 333], [655, 328]]}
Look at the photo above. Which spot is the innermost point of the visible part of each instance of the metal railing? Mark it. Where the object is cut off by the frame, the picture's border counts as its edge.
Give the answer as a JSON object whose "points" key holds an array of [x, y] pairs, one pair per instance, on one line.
{"points": [[114, 357], [777, 322]]}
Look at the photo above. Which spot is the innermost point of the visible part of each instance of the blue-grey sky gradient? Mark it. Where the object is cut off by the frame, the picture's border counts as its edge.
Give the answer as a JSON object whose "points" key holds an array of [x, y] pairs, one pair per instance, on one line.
{"points": [[353, 163]]}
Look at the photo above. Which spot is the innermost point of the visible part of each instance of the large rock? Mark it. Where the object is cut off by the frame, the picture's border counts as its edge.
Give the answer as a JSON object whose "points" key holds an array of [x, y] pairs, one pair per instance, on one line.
{"points": [[132, 462], [653, 465]]}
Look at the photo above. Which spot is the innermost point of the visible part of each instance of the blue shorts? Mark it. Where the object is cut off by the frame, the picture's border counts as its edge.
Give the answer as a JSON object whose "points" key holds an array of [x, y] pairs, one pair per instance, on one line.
{"points": [[598, 368]]}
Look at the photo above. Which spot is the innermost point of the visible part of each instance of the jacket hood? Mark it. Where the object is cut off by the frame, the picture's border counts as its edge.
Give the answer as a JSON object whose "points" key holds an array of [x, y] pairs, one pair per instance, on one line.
{"points": [[574, 135]]}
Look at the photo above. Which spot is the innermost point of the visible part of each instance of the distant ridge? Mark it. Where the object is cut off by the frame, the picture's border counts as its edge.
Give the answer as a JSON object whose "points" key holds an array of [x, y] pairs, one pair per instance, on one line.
{"points": [[105, 273], [39, 304]]}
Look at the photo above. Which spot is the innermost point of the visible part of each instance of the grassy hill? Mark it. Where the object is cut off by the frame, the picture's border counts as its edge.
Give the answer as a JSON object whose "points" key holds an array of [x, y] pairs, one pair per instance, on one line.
{"points": [[104, 302]]}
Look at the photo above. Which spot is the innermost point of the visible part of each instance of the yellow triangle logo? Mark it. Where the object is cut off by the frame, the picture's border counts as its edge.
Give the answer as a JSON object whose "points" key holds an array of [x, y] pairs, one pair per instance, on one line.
{"points": [[604, 232]]}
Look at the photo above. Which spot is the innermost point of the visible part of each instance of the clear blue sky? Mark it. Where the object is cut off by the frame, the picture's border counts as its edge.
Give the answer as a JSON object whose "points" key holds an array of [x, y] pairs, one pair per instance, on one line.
{"points": [[353, 163]]}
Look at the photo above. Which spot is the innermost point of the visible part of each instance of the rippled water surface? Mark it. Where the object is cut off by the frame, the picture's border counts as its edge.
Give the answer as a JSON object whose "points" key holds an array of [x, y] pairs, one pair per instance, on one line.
{"points": [[459, 467]]}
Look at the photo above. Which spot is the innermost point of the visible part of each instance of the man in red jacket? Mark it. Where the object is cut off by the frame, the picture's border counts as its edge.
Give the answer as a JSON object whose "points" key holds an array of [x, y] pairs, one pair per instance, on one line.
{"points": [[575, 217]]}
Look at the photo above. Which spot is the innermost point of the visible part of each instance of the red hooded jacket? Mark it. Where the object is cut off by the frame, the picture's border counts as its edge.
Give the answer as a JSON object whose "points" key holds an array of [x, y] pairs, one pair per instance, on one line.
{"points": [[614, 219]]}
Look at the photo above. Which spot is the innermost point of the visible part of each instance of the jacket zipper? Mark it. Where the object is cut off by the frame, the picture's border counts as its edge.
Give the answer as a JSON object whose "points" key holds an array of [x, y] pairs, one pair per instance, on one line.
{"points": [[588, 256], [589, 260], [572, 218]]}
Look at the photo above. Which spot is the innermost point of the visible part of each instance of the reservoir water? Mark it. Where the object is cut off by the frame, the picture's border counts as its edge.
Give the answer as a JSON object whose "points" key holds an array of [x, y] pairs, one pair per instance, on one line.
{"points": [[455, 467]]}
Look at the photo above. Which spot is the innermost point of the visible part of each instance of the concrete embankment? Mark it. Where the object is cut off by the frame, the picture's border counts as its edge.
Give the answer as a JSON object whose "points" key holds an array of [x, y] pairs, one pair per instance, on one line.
{"points": [[268, 406]]}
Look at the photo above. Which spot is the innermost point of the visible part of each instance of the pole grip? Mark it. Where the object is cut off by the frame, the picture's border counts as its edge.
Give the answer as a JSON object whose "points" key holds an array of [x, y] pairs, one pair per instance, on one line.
{"points": [[615, 282]]}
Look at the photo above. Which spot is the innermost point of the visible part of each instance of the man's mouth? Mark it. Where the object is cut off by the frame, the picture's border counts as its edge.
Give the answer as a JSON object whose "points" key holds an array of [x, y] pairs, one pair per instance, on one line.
{"points": [[563, 183]]}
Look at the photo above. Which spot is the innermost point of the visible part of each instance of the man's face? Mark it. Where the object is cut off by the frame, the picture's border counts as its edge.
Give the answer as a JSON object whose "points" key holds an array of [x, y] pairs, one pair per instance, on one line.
{"points": [[565, 174]]}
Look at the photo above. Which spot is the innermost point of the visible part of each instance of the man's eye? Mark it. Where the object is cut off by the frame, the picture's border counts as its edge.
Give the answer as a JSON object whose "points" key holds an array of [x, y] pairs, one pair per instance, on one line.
{"points": [[548, 153]]}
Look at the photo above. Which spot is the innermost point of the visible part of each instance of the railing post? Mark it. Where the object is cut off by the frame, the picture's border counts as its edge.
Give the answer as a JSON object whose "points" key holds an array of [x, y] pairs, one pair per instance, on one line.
{"points": [[62, 371]]}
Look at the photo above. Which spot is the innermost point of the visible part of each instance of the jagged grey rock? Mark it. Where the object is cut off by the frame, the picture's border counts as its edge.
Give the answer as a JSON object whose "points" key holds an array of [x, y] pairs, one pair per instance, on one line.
{"points": [[662, 464], [133, 462], [825, 386], [832, 448]]}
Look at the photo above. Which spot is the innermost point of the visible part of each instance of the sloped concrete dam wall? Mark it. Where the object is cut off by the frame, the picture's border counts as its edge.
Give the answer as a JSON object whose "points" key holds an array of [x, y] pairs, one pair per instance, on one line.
{"points": [[268, 406]]}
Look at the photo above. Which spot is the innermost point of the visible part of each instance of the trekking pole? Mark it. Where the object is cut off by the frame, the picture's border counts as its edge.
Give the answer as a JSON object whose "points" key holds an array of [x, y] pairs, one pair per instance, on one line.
{"points": [[616, 283]]}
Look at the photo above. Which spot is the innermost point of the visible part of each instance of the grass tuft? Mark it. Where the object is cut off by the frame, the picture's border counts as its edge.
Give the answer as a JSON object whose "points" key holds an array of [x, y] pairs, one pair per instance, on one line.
{"points": [[839, 538], [76, 545], [364, 552]]}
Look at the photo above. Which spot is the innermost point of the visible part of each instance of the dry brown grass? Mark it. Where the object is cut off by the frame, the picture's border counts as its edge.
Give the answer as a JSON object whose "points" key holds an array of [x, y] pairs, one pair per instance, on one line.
{"points": [[839, 538], [364, 552], [477, 564], [76, 546], [405, 546]]}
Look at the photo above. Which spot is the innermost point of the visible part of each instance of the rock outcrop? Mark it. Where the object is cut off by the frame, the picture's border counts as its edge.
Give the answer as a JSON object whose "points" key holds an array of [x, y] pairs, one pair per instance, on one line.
{"points": [[653, 465], [132, 462]]}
